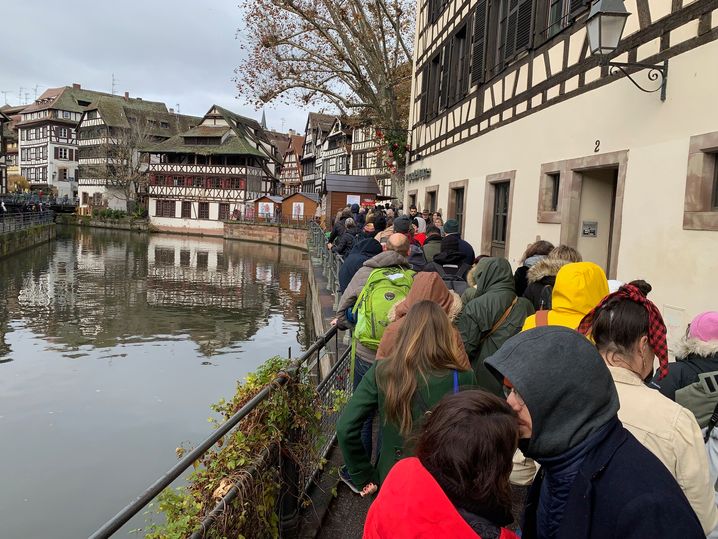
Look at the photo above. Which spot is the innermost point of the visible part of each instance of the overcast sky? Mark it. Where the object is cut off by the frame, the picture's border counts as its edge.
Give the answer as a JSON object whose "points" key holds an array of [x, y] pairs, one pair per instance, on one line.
{"points": [[175, 51]]}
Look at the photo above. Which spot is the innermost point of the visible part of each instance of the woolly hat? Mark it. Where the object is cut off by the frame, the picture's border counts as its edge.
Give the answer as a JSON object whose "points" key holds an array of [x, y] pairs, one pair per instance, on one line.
{"points": [[704, 327], [402, 224], [451, 226]]}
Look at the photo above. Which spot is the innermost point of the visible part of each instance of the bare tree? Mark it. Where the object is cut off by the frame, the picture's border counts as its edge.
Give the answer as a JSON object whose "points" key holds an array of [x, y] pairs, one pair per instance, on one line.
{"points": [[353, 54], [126, 167]]}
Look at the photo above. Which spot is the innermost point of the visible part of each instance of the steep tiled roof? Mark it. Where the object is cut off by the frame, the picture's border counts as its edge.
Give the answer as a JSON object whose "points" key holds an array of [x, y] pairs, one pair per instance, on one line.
{"points": [[234, 145], [323, 121]]}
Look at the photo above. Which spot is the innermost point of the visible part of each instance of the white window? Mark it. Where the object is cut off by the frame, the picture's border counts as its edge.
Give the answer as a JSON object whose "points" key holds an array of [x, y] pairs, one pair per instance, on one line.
{"points": [[62, 132], [65, 114], [62, 153]]}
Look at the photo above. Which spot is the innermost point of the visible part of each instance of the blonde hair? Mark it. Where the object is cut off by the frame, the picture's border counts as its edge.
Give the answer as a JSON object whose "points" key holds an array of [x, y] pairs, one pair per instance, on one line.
{"points": [[425, 344], [564, 252]]}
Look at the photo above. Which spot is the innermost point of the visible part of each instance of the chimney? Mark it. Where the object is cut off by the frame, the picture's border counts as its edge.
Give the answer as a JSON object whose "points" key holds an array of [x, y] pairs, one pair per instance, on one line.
{"points": [[292, 132], [127, 96], [76, 86], [172, 111]]}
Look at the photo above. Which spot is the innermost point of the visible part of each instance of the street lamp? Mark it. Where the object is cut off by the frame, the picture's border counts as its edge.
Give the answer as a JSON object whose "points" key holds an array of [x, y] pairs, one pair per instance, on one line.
{"points": [[604, 26]]}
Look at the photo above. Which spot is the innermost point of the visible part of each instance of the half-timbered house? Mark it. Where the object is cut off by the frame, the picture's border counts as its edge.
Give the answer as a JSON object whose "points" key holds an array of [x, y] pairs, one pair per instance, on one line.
{"points": [[365, 159], [521, 132], [291, 175], [336, 149], [10, 138], [111, 133], [317, 128], [48, 139], [201, 176], [4, 121]]}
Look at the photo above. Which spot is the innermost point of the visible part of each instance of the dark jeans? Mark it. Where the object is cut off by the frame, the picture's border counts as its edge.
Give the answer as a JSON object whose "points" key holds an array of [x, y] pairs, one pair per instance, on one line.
{"points": [[360, 369]]}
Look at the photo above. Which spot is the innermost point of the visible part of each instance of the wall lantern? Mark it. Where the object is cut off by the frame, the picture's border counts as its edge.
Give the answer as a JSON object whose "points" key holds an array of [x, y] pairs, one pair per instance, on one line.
{"points": [[605, 24]]}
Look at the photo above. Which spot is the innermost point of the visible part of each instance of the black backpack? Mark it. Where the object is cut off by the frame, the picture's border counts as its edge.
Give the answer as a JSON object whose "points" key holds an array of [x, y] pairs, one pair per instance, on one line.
{"points": [[456, 282], [545, 298]]}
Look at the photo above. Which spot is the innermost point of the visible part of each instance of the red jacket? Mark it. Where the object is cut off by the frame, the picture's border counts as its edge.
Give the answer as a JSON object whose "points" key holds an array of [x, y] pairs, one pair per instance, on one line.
{"points": [[412, 505]]}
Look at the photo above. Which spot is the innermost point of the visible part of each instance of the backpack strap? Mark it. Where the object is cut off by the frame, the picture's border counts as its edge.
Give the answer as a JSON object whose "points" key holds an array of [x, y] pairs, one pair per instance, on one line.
{"points": [[440, 270], [712, 422], [456, 381], [500, 321], [463, 270], [541, 318]]}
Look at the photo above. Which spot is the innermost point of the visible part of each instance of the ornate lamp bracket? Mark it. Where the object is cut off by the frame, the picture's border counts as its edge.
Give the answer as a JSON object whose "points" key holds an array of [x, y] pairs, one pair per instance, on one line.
{"points": [[655, 71]]}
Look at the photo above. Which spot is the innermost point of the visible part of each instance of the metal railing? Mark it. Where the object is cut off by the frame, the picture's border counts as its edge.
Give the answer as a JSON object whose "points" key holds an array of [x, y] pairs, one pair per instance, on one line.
{"points": [[331, 262], [326, 350], [12, 222]]}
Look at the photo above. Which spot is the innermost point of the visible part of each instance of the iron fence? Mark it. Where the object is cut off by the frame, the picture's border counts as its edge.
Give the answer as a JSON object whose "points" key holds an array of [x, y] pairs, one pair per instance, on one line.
{"points": [[330, 388], [331, 262], [12, 222]]}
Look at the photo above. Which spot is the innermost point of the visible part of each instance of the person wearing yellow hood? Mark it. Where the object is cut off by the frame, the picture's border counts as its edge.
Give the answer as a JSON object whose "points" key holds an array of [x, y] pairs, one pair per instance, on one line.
{"points": [[579, 288]]}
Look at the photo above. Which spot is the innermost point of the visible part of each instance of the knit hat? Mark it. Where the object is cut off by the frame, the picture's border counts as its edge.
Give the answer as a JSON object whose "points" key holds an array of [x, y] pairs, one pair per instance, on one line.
{"points": [[402, 224], [451, 226], [564, 382], [704, 327]]}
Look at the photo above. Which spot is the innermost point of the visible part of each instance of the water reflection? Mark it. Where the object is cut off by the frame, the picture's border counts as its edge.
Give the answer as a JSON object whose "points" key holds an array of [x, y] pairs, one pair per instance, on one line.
{"points": [[99, 289], [112, 347]]}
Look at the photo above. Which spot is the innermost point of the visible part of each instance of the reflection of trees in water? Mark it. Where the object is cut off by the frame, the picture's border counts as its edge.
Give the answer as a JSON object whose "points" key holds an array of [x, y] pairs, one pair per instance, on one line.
{"points": [[102, 287]]}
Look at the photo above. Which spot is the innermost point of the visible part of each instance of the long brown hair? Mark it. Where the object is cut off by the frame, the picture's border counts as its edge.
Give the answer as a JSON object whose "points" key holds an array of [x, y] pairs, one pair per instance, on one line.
{"points": [[467, 445], [425, 343]]}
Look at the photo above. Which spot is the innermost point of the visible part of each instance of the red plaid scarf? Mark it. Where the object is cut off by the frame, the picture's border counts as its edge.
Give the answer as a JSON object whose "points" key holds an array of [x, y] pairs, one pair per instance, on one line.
{"points": [[656, 326]]}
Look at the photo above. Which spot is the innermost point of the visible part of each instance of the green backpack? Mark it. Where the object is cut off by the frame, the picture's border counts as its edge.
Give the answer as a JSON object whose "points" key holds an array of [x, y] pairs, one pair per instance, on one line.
{"points": [[384, 288]]}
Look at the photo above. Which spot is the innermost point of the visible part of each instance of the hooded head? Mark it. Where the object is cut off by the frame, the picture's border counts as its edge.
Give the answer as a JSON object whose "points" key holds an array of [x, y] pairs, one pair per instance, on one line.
{"points": [[420, 224], [701, 338], [450, 253], [564, 383], [492, 274], [579, 288], [428, 285], [370, 247], [355, 208]]}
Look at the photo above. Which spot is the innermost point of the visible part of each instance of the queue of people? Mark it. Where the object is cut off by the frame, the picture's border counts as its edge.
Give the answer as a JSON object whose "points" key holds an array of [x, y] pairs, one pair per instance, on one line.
{"points": [[491, 403]]}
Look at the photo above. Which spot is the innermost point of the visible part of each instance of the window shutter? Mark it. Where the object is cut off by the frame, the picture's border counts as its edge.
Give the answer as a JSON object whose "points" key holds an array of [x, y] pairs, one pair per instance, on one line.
{"points": [[523, 25], [466, 60], [424, 109], [510, 46], [479, 45], [57, 152], [540, 22], [445, 73]]}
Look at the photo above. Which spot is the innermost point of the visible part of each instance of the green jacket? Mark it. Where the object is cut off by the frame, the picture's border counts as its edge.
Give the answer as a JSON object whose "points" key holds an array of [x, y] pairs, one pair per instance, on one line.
{"points": [[432, 247], [366, 400], [493, 295]]}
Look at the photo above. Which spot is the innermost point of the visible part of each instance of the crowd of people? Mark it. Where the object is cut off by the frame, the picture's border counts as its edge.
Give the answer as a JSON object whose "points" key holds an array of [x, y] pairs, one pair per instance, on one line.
{"points": [[495, 403]]}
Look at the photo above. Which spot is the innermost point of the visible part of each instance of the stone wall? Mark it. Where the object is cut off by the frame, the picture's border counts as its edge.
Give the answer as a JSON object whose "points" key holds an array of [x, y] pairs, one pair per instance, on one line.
{"points": [[127, 223], [267, 233], [14, 242]]}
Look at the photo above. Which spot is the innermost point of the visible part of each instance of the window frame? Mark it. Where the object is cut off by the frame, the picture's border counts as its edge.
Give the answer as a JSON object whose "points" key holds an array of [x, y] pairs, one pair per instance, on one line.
{"points": [[203, 210]]}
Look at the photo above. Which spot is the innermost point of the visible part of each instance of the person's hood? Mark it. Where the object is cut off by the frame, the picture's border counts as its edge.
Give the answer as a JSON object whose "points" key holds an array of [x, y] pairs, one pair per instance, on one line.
{"points": [[546, 267], [533, 260], [690, 346], [427, 285], [452, 257], [421, 223], [564, 382], [411, 504], [580, 286], [386, 259], [368, 247], [473, 276], [355, 208], [495, 276]]}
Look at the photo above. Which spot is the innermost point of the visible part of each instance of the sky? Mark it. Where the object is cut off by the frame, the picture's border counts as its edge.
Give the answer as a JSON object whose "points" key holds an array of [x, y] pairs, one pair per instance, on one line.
{"points": [[175, 51]]}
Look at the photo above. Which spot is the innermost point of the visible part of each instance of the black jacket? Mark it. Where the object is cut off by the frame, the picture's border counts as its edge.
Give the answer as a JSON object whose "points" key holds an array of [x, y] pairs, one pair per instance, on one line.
{"points": [[345, 242], [337, 230], [621, 491]]}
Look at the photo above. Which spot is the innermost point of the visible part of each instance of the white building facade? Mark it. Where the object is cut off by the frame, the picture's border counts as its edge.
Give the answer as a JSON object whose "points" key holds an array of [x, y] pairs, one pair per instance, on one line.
{"points": [[521, 133]]}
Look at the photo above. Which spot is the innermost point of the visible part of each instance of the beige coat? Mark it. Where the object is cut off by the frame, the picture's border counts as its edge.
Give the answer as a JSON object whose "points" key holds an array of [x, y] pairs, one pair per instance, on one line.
{"points": [[671, 433]]}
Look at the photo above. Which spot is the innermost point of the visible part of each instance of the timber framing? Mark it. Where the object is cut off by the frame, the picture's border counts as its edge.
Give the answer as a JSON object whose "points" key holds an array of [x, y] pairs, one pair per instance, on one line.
{"points": [[555, 71]]}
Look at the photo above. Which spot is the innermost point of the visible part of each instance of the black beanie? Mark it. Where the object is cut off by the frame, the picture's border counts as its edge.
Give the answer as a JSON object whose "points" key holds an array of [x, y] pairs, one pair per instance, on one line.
{"points": [[564, 382]]}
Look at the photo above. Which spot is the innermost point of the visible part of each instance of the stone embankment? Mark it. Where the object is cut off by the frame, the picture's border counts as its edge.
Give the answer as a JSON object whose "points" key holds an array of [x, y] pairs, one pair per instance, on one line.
{"points": [[286, 236], [126, 223]]}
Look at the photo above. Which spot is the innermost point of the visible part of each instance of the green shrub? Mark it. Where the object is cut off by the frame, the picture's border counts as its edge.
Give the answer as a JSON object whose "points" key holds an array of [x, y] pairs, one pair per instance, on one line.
{"points": [[293, 408]]}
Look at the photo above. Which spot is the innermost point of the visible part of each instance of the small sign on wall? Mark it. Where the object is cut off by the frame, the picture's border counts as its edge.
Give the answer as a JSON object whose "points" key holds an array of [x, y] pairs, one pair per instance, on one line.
{"points": [[589, 229]]}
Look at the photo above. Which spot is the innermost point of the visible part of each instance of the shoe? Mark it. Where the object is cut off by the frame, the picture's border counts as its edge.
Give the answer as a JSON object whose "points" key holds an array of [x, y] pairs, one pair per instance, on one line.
{"points": [[344, 476]]}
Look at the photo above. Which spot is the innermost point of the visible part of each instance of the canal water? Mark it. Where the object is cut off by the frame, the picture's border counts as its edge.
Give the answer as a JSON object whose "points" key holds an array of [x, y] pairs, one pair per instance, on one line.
{"points": [[112, 347]]}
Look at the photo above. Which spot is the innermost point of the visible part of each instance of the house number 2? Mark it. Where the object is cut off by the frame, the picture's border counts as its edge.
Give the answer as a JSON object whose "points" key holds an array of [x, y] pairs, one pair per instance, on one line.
{"points": [[598, 146]]}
